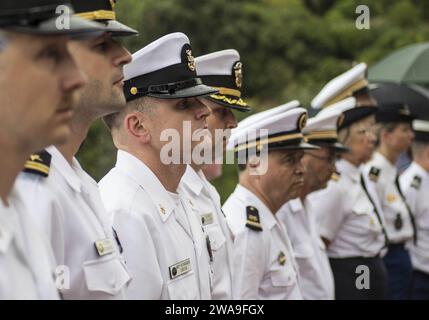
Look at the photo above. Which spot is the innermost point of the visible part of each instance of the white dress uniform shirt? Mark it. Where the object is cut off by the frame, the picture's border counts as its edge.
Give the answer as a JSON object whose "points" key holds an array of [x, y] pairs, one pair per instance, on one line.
{"points": [[315, 275], [205, 201], [68, 207], [394, 208], [264, 264], [26, 260], [347, 217], [415, 185], [163, 240]]}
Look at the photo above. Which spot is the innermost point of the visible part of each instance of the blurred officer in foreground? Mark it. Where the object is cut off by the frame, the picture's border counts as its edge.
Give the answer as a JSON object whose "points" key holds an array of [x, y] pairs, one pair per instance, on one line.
{"points": [[264, 265], [62, 197], [167, 251], [221, 70], [351, 219], [38, 85], [395, 136], [415, 186], [315, 276]]}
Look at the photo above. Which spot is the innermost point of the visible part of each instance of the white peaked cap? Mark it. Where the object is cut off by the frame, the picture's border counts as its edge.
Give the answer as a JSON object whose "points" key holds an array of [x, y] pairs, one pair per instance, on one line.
{"points": [[260, 116], [285, 127], [322, 130], [161, 53], [421, 130], [323, 122], [338, 107], [217, 63], [341, 87], [421, 125]]}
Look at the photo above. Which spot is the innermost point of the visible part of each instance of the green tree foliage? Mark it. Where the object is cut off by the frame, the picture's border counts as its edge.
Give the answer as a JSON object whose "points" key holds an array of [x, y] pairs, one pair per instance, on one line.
{"points": [[290, 48]]}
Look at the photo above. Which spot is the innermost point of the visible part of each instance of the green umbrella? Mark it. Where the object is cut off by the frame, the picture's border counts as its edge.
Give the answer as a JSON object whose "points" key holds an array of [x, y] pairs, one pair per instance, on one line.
{"points": [[406, 65]]}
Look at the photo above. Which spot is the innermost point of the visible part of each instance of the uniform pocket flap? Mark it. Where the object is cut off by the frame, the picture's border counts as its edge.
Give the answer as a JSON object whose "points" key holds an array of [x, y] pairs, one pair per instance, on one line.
{"points": [[108, 275]]}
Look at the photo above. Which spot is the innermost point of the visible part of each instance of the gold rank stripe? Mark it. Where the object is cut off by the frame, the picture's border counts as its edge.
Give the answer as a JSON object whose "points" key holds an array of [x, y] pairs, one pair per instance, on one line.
{"points": [[331, 134], [97, 15], [37, 166], [255, 224], [257, 144], [348, 92], [228, 91]]}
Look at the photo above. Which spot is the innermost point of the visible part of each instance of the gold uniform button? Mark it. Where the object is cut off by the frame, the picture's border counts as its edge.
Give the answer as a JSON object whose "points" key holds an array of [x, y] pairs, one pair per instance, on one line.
{"points": [[134, 91]]}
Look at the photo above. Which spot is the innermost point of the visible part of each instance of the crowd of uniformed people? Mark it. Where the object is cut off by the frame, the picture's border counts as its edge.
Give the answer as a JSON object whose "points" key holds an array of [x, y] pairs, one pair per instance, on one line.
{"points": [[320, 211]]}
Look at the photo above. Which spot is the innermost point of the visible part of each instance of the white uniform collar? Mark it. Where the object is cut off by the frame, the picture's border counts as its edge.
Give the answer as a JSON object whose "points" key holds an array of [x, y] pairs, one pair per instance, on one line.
{"points": [[348, 169], [249, 199], [192, 181], [418, 169], [296, 205], [389, 169], [140, 173], [65, 169]]}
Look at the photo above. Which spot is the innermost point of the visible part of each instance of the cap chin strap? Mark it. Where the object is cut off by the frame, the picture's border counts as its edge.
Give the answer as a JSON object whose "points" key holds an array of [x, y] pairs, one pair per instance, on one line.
{"points": [[171, 88]]}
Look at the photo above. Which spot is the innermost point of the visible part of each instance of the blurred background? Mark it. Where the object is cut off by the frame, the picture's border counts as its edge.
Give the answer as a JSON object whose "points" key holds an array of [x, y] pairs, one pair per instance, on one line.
{"points": [[289, 48]]}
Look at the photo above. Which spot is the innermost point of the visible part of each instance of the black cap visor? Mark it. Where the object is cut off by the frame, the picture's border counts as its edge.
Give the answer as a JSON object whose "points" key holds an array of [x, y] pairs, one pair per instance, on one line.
{"points": [[118, 29], [336, 146], [76, 28]]}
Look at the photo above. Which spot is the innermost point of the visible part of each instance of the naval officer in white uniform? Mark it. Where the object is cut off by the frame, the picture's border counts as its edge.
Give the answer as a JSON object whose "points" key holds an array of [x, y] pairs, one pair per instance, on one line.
{"points": [[315, 275], [222, 70], [167, 251], [272, 174]]}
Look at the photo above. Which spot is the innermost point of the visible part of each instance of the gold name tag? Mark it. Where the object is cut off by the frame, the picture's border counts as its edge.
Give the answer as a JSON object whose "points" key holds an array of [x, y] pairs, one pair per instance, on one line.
{"points": [[207, 218], [180, 268], [104, 246]]}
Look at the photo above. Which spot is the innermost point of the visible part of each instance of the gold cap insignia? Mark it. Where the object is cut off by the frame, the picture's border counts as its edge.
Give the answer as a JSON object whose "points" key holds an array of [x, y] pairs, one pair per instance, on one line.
{"points": [[302, 121], [191, 60], [238, 73]]}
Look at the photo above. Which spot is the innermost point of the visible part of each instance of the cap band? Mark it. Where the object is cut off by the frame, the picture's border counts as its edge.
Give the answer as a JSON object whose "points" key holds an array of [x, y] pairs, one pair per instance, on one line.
{"points": [[322, 135], [348, 92], [298, 136]]}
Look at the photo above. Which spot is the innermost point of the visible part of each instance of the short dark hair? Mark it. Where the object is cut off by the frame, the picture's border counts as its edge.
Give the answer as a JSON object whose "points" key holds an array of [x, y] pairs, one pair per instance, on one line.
{"points": [[114, 120]]}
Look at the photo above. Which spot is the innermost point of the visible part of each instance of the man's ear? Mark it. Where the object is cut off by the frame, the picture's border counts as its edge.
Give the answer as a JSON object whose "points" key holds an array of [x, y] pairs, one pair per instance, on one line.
{"points": [[135, 124], [254, 166]]}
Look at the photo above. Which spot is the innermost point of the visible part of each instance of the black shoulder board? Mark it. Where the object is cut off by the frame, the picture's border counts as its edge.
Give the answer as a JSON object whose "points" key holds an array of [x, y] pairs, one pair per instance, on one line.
{"points": [[252, 219], [38, 163], [373, 174], [336, 176], [416, 183]]}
